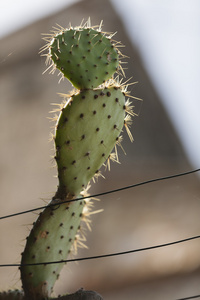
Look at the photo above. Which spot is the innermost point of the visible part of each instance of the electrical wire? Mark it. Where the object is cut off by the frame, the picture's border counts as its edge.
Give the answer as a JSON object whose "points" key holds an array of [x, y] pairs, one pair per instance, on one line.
{"points": [[103, 193], [191, 297], [104, 255]]}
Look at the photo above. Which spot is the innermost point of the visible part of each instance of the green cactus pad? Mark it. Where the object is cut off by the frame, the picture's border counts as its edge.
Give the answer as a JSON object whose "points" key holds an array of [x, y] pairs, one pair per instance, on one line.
{"points": [[85, 56], [51, 239], [87, 130]]}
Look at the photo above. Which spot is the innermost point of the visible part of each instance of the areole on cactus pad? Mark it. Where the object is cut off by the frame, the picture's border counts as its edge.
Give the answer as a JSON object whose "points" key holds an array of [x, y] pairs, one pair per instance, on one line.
{"points": [[87, 129]]}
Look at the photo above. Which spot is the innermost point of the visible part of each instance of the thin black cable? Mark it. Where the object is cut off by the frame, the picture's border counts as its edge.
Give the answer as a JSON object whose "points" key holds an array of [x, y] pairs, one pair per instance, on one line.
{"points": [[103, 193], [191, 297], [104, 255]]}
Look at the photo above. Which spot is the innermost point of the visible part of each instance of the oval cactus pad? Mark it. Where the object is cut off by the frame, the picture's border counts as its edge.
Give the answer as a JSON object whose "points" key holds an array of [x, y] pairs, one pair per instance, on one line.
{"points": [[86, 57], [87, 131], [51, 239]]}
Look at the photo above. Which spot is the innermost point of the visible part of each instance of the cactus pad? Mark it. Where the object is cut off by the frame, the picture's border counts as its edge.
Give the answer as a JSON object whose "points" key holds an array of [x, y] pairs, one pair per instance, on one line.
{"points": [[87, 130], [51, 239], [85, 56]]}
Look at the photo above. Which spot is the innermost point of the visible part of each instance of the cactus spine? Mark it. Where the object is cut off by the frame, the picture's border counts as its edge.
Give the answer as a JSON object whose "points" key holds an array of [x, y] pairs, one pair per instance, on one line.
{"points": [[87, 129]]}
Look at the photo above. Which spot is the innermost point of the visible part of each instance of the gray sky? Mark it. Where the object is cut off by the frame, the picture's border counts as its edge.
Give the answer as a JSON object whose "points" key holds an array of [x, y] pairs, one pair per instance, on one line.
{"points": [[167, 33]]}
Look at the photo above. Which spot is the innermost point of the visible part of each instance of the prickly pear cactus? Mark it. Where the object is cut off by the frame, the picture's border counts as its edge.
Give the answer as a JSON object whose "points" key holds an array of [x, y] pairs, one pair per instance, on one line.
{"points": [[87, 129]]}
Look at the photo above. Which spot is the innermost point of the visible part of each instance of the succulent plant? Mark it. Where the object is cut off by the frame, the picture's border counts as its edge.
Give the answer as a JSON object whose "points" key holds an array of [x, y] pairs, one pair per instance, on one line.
{"points": [[87, 129]]}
